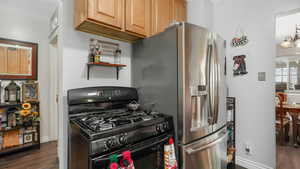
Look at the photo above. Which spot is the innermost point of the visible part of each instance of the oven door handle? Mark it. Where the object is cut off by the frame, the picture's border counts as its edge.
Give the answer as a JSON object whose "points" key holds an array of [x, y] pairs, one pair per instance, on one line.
{"points": [[150, 145]]}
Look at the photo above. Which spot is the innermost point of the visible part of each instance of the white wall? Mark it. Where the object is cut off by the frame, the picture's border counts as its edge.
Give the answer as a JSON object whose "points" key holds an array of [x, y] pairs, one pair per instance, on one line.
{"points": [[75, 57], [19, 25], [255, 100], [200, 12], [74, 69]]}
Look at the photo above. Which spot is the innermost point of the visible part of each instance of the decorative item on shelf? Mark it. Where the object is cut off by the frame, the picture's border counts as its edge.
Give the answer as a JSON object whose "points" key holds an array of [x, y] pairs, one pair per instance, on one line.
{"points": [[30, 91], [11, 119], [100, 51], [1, 141], [0, 91], [28, 137], [117, 58], [239, 66], [12, 93], [240, 39], [11, 138], [2, 114], [27, 116], [21, 136], [105, 54]]}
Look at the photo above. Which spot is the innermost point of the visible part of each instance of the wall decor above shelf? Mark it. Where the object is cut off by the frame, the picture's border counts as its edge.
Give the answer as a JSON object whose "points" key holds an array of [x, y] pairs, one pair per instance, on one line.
{"points": [[105, 64]]}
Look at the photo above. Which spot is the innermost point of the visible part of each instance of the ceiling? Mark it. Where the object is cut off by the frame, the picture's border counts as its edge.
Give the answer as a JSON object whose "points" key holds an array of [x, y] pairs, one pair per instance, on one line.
{"points": [[39, 8], [286, 25]]}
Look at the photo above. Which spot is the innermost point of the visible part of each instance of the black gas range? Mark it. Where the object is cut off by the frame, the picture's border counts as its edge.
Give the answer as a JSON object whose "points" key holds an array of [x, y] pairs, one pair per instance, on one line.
{"points": [[101, 124]]}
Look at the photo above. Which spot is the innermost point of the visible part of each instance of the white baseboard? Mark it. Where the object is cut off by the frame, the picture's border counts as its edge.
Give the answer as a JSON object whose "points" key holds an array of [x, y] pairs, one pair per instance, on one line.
{"points": [[251, 164], [45, 139]]}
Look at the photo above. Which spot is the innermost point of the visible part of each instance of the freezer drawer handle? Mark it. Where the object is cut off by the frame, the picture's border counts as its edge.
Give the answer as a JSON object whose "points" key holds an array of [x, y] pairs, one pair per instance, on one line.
{"points": [[192, 151]]}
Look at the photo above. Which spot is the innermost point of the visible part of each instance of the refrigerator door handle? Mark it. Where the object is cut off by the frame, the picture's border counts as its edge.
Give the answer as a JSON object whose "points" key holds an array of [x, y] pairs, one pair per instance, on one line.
{"points": [[217, 81], [192, 151], [214, 82], [210, 100]]}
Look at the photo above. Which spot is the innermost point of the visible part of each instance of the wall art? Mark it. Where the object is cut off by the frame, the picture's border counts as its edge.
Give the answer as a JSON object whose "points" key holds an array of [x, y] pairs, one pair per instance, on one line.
{"points": [[30, 92], [240, 39], [239, 65]]}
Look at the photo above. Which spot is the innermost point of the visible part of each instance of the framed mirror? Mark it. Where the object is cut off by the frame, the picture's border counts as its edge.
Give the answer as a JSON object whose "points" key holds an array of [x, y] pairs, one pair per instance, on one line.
{"points": [[18, 60]]}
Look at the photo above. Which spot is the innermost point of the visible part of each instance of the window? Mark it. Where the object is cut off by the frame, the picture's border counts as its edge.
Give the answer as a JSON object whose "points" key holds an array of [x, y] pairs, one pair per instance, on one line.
{"points": [[281, 75], [293, 75]]}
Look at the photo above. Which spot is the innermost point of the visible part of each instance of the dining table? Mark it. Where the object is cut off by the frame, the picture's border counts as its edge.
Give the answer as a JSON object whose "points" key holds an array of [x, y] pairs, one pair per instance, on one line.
{"points": [[294, 111]]}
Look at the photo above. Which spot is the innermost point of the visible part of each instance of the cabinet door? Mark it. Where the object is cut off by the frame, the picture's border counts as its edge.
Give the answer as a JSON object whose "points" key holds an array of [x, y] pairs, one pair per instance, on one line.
{"points": [[180, 10], [3, 60], [110, 12], [13, 65], [24, 61], [138, 16], [161, 15]]}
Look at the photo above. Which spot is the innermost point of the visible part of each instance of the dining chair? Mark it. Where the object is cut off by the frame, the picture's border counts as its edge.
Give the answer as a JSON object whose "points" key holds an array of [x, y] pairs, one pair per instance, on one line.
{"points": [[282, 122]]}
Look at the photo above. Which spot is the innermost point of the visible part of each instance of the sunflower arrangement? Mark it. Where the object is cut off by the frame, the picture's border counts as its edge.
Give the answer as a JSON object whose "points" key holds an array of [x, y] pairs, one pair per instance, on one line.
{"points": [[27, 116]]}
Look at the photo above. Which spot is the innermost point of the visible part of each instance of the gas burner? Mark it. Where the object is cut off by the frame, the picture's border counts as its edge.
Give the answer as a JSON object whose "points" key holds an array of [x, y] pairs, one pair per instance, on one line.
{"points": [[102, 121]]}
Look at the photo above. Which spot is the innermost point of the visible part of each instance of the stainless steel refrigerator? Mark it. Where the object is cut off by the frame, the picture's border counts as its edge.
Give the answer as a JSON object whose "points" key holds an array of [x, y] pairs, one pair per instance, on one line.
{"points": [[180, 72]]}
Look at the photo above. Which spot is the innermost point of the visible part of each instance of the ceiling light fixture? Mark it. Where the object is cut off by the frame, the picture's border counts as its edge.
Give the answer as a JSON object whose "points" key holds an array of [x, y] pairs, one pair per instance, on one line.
{"points": [[287, 43], [290, 42]]}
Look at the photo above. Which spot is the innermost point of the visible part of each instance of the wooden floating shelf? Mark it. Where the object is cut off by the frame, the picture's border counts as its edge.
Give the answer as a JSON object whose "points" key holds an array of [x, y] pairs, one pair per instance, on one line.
{"points": [[117, 66], [106, 64], [16, 104]]}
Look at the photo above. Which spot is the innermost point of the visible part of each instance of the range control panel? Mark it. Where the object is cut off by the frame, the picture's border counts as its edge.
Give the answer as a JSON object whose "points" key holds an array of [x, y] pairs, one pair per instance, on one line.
{"points": [[122, 139]]}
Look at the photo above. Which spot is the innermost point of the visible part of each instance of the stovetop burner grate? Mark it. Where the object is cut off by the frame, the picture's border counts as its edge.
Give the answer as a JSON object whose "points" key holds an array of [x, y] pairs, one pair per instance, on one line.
{"points": [[102, 121]]}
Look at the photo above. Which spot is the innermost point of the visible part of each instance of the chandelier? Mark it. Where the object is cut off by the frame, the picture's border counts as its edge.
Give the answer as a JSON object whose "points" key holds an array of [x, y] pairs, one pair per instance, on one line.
{"points": [[290, 42]]}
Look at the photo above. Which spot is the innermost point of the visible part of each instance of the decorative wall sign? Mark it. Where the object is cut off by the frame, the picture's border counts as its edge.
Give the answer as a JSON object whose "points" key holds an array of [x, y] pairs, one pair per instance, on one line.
{"points": [[240, 39], [30, 92], [239, 65]]}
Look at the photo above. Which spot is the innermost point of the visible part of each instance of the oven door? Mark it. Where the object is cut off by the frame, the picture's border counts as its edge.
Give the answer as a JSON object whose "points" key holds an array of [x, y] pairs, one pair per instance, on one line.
{"points": [[148, 154]]}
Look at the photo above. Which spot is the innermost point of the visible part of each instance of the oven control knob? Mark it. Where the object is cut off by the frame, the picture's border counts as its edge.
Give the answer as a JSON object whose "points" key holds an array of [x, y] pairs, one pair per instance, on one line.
{"points": [[166, 126], [122, 139], [159, 128], [109, 143]]}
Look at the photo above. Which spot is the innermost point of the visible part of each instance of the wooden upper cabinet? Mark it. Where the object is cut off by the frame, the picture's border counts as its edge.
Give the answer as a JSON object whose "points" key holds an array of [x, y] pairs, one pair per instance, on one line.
{"points": [[109, 12], [162, 15], [180, 11], [127, 20], [138, 16]]}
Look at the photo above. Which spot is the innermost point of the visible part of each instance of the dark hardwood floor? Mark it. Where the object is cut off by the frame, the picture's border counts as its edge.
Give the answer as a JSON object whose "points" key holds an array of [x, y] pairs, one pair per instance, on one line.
{"points": [[288, 157], [43, 158]]}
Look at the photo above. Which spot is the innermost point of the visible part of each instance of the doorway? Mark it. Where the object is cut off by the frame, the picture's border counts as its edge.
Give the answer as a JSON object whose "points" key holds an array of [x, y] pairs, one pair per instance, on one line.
{"points": [[54, 90], [287, 89]]}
